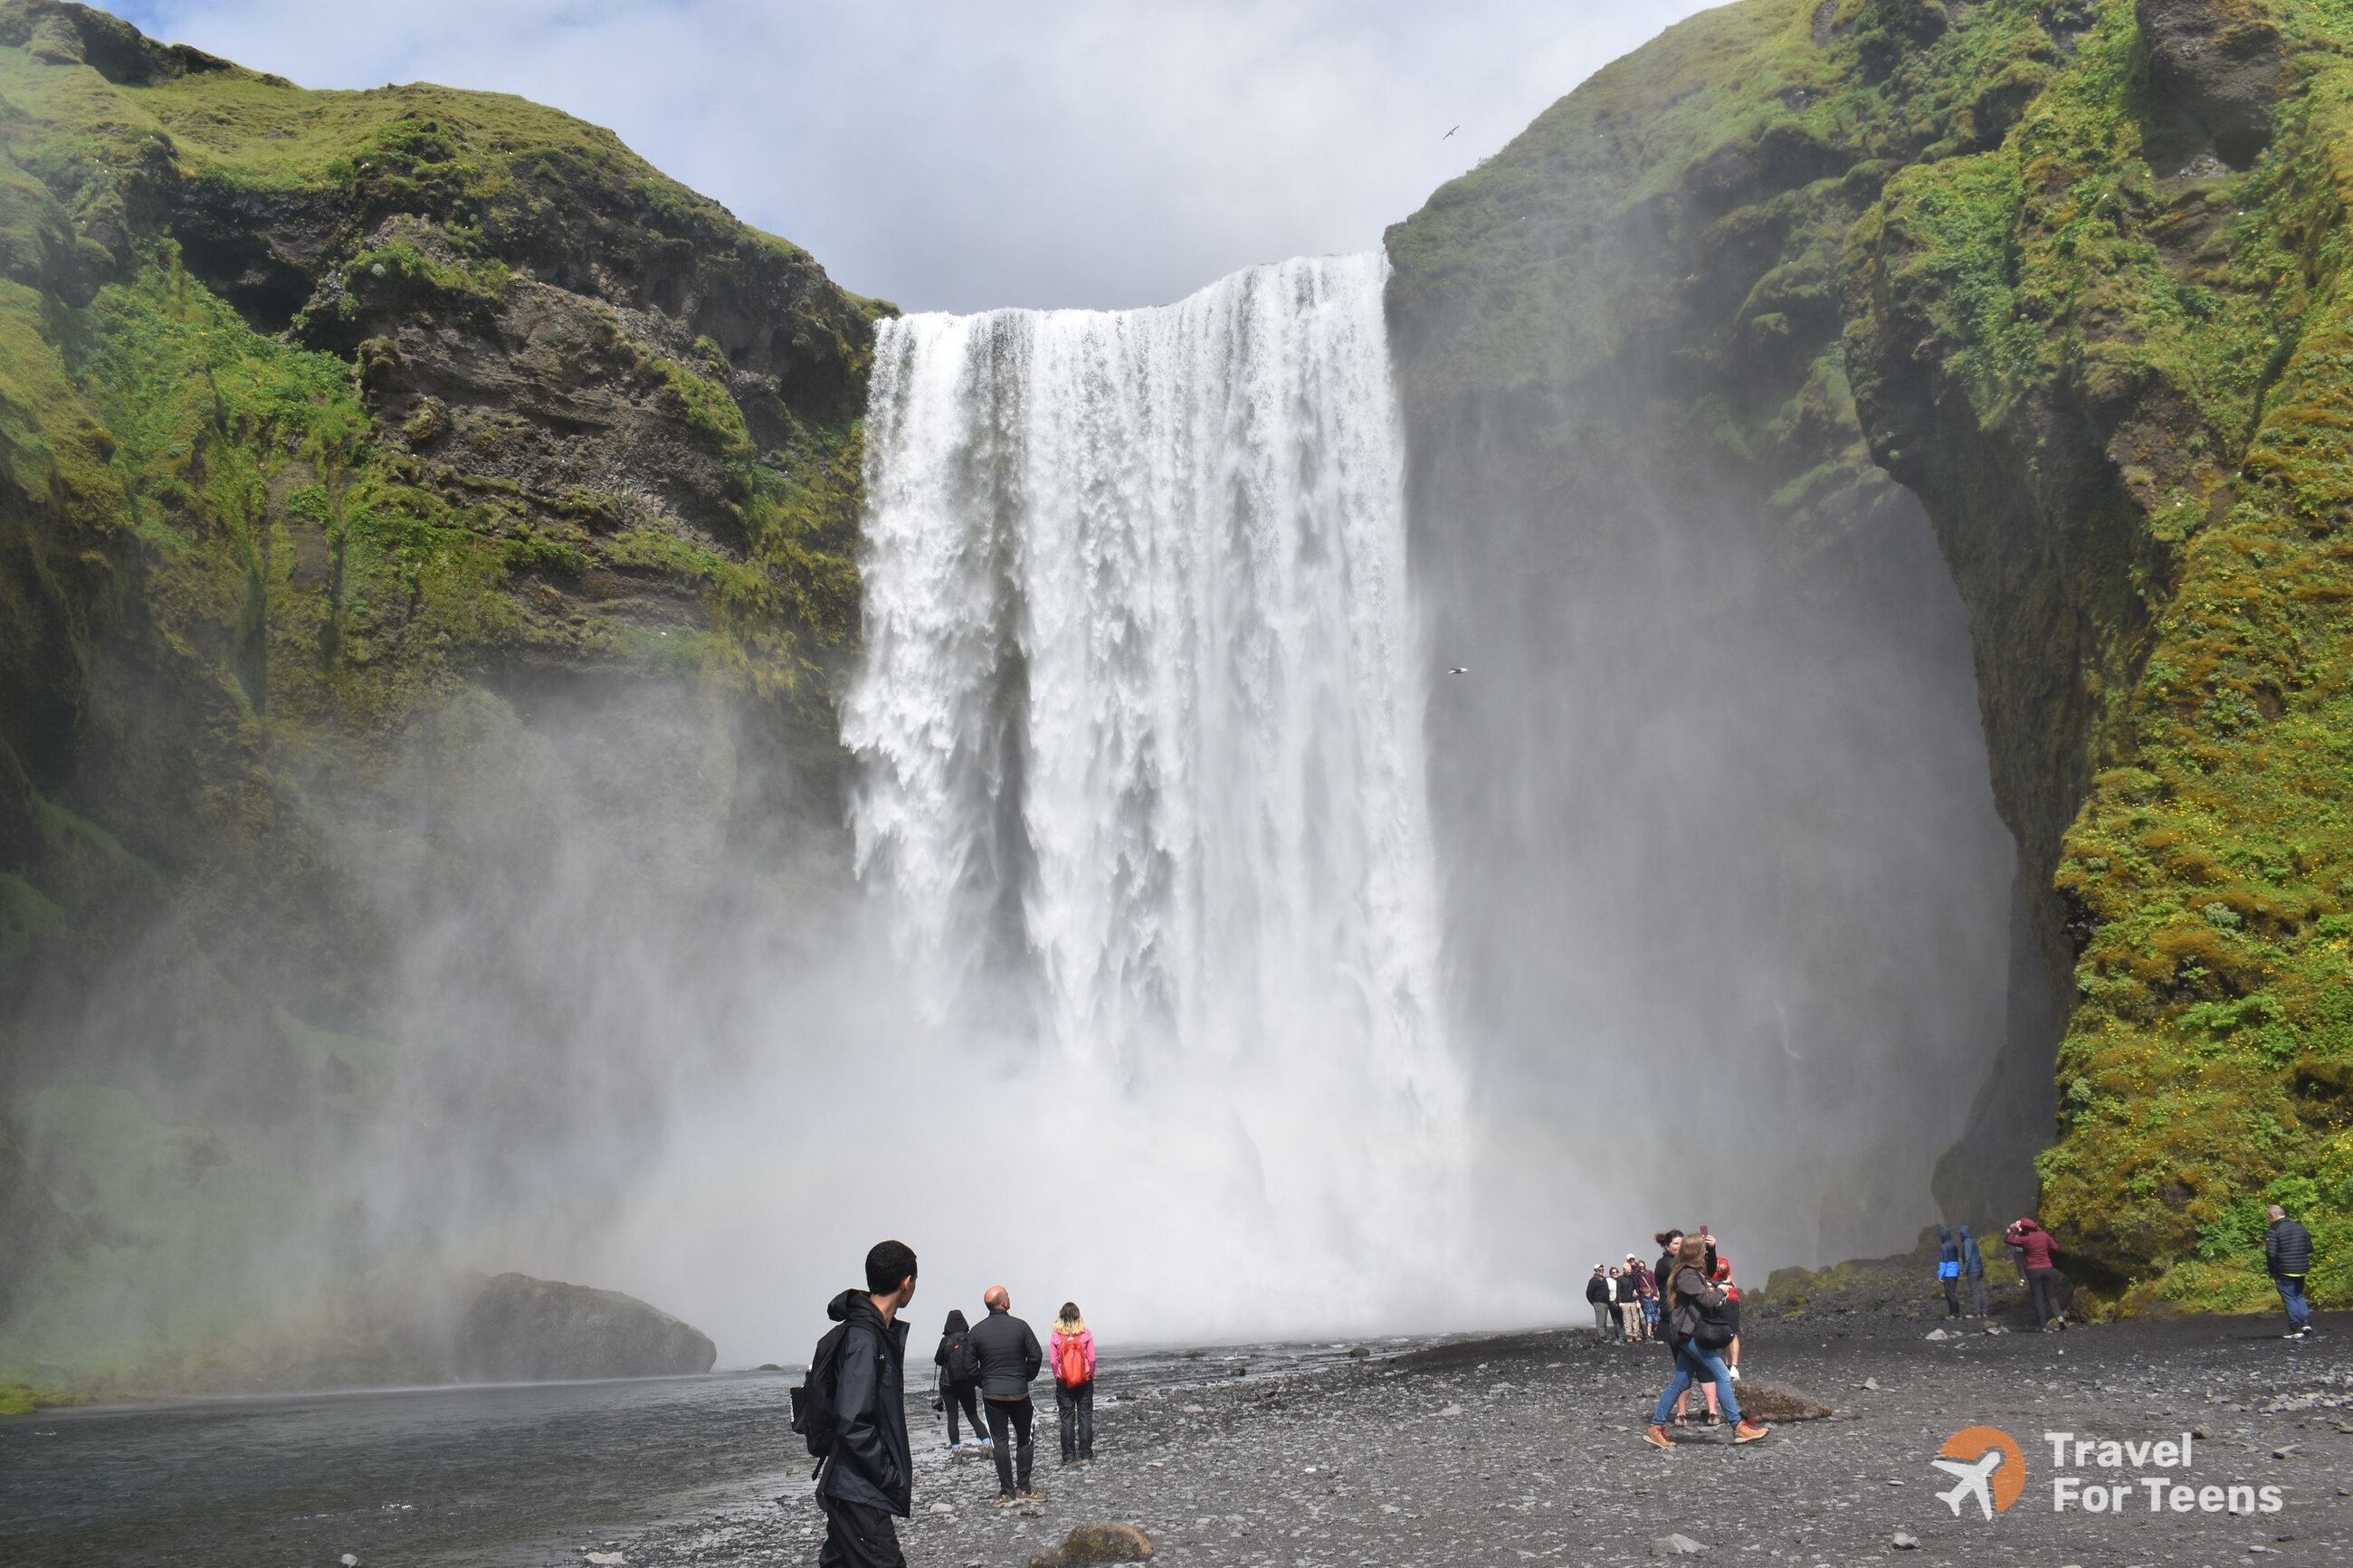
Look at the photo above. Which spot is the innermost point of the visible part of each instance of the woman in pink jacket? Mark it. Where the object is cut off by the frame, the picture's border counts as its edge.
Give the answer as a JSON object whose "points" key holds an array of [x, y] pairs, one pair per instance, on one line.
{"points": [[1073, 1361]]}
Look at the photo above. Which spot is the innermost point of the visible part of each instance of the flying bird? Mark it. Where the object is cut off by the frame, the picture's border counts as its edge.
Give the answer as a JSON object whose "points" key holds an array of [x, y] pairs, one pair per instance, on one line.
{"points": [[1460, 669], [1449, 133]]}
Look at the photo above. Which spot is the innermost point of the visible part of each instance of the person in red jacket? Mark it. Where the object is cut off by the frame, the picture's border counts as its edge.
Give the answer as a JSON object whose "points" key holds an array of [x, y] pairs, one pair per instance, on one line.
{"points": [[1074, 1384], [2033, 1243]]}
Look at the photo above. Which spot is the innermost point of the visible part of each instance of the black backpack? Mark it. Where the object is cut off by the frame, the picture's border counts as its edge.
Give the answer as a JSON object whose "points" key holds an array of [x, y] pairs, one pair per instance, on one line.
{"points": [[816, 1414], [964, 1361], [1716, 1329]]}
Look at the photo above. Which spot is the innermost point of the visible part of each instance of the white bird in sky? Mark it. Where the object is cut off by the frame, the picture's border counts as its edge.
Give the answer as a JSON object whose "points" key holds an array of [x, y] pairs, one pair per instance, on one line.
{"points": [[1460, 669], [1449, 133]]}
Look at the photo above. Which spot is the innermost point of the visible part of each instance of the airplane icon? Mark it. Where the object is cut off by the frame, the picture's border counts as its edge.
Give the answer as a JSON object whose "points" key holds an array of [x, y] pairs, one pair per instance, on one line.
{"points": [[1973, 1479]]}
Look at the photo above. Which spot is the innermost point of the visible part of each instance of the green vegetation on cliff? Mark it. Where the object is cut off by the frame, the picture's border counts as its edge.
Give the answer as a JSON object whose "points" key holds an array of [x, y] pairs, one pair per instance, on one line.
{"points": [[342, 434], [2072, 271]]}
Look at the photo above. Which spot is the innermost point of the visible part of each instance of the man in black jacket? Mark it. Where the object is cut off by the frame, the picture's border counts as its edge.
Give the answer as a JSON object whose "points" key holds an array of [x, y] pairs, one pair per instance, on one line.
{"points": [[1009, 1360], [2287, 1253], [868, 1476]]}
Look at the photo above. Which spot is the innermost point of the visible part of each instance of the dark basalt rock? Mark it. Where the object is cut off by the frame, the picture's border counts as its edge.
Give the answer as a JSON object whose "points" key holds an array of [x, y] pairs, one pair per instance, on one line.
{"points": [[2213, 81], [522, 1329]]}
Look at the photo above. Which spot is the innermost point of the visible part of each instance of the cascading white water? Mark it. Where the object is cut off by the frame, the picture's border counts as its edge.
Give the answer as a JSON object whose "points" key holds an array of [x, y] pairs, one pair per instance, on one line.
{"points": [[1143, 781]]}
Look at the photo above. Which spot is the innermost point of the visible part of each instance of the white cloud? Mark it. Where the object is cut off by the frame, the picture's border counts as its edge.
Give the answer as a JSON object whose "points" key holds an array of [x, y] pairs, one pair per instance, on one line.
{"points": [[1015, 152]]}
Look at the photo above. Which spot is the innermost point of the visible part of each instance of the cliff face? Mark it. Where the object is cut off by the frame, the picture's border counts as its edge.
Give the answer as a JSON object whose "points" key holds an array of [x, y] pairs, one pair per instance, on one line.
{"points": [[398, 489], [2070, 274]]}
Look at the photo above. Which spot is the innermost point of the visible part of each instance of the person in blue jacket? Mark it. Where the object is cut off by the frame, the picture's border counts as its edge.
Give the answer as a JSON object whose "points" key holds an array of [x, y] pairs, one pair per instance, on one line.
{"points": [[1949, 1270], [1973, 1270]]}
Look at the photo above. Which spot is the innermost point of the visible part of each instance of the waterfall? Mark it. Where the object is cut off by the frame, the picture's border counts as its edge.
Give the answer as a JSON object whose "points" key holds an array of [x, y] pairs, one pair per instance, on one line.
{"points": [[1141, 785]]}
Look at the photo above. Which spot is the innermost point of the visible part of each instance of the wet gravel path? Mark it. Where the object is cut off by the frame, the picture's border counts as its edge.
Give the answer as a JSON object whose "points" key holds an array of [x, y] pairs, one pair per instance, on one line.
{"points": [[1528, 1449]]}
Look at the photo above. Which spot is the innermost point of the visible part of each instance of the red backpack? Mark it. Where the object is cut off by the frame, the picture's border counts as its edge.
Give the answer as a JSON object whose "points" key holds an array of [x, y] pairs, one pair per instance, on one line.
{"points": [[1071, 1360]]}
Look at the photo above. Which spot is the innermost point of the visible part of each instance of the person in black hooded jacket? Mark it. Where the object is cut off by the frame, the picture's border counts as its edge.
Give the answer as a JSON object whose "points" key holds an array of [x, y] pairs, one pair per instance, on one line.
{"points": [[955, 1395], [868, 1476]]}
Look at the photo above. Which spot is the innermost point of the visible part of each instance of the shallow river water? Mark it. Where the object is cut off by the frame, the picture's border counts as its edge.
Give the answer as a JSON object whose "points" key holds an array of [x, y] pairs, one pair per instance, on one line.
{"points": [[504, 1476]]}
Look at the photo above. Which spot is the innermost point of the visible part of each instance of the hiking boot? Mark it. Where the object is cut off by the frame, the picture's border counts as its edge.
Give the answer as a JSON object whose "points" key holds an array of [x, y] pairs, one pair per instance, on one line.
{"points": [[1031, 1494], [1006, 1500], [1657, 1436], [1748, 1432]]}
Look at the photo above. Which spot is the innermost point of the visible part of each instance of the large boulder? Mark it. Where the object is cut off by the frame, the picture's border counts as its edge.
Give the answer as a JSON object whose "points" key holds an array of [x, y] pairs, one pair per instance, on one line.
{"points": [[2213, 80], [522, 1329]]}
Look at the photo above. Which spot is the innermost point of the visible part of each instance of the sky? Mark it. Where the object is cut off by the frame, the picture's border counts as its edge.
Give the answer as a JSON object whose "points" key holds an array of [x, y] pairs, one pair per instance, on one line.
{"points": [[964, 155]]}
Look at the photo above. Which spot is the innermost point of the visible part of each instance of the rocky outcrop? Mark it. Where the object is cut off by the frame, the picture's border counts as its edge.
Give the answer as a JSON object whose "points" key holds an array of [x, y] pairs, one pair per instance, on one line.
{"points": [[415, 510], [2213, 80], [2079, 268], [522, 1329]]}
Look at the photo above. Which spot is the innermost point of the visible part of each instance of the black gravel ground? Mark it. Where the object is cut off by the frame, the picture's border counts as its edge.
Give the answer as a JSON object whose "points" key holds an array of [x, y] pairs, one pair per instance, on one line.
{"points": [[1528, 1449]]}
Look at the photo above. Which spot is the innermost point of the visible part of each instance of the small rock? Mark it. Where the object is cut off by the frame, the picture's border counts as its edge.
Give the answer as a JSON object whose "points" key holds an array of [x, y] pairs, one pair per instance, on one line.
{"points": [[2284, 1450], [2200, 1432], [1939, 1335], [1675, 1546], [608, 1559], [1450, 1413], [348, 1561], [1996, 1329], [1101, 1542], [941, 1507], [1902, 1542], [1360, 1352], [1872, 1384]]}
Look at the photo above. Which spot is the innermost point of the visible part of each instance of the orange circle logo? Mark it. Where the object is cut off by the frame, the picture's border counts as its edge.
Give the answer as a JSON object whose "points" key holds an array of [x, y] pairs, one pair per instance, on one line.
{"points": [[1987, 1468]]}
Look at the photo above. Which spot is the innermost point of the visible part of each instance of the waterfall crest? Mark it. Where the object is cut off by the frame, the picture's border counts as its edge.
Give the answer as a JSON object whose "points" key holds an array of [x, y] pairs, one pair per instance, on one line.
{"points": [[1141, 776]]}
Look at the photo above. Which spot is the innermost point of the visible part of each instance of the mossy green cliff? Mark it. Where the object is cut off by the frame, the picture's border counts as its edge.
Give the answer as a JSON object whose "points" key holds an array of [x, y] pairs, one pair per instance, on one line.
{"points": [[342, 436], [2073, 274]]}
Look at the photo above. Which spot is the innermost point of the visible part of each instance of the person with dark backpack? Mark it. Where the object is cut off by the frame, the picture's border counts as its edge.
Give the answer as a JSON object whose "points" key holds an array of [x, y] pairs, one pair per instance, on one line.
{"points": [[851, 1411], [1698, 1328], [1074, 1384], [959, 1380], [1949, 1270]]}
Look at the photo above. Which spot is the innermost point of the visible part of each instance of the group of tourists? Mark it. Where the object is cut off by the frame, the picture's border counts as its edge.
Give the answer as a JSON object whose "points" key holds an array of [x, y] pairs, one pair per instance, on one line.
{"points": [[852, 1413], [1960, 1264], [852, 1407], [995, 1364], [1625, 1301]]}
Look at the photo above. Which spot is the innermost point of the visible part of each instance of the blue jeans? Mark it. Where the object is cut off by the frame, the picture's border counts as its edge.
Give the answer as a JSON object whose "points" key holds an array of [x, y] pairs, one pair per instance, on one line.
{"points": [[1693, 1364], [2290, 1289]]}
